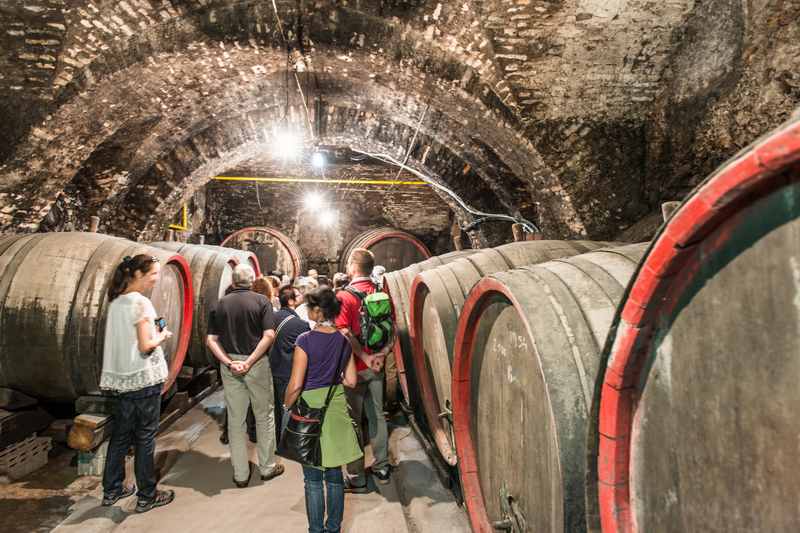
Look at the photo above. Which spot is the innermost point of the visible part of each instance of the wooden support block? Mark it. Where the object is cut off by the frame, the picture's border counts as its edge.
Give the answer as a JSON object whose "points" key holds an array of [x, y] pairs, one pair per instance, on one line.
{"points": [[18, 425], [13, 400], [103, 405], [89, 431]]}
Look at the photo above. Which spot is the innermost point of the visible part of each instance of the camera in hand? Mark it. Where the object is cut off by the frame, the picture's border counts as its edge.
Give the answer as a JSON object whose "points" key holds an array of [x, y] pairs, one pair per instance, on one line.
{"points": [[161, 324]]}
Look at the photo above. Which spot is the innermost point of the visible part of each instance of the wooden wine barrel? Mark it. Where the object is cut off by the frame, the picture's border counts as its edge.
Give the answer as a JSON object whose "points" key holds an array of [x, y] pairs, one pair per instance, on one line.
{"points": [[274, 249], [436, 298], [237, 256], [396, 285], [53, 304], [696, 417], [212, 273], [526, 356], [392, 248]]}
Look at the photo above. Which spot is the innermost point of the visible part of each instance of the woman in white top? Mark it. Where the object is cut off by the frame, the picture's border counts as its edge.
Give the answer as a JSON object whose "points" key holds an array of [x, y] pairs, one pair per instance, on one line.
{"points": [[134, 368]]}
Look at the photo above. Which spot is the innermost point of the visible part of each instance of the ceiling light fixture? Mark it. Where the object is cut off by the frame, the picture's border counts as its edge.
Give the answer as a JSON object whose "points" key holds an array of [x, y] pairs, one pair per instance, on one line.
{"points": [[314, 200], [318, 160], [286, 145], [327, 218]]}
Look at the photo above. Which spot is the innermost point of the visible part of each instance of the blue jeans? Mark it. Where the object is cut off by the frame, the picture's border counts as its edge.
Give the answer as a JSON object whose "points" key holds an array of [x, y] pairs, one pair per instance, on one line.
{"points": [[315, 499], [136, 417]]}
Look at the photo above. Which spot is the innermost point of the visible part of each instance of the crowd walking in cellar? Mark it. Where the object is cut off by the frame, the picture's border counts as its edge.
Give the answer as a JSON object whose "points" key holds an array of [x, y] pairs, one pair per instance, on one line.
{"points": [[271, 361]]}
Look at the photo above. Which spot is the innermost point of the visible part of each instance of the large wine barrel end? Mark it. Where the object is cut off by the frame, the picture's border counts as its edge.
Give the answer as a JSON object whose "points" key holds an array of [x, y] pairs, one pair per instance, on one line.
{"points": [[527, 352], [436, 297], [185, 333], [53, 304], [696, 422], [273, 250], [393, 249]]}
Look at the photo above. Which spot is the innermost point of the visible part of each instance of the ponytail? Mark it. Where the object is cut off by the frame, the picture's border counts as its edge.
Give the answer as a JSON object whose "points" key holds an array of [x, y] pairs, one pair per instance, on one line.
{"points": [[125, 273]]}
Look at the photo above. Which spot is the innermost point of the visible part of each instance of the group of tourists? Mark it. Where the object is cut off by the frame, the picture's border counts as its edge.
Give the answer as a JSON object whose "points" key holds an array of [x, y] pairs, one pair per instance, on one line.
{"points": [[277, 344]]}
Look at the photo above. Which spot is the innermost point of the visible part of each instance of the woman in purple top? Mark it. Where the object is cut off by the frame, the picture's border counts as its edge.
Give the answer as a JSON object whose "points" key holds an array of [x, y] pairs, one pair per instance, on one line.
{"points": [[323, 357]]}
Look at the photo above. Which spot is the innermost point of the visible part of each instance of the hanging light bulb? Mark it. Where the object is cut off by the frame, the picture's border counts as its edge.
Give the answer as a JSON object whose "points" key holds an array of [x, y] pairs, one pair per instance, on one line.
{"points": [[327, 218], [318, 160], [286, 144], [314, 200]]}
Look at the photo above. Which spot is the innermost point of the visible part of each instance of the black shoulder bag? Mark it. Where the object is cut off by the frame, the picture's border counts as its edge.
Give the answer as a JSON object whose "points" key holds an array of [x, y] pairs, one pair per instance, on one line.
{"points": [[301, 440]]}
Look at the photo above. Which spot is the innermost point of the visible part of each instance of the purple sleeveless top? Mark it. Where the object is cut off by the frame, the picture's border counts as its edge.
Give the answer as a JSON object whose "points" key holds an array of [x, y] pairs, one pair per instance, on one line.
{"points": [[327, 353]]}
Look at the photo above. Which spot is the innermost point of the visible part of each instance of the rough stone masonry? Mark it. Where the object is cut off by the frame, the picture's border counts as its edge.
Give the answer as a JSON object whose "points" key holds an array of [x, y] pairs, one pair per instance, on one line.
{"points": [[581, 116]]}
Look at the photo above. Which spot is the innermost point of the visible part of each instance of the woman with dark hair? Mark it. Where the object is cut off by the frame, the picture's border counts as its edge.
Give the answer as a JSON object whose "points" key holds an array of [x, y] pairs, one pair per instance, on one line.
{"points": [[134, 368], [323, 357]]}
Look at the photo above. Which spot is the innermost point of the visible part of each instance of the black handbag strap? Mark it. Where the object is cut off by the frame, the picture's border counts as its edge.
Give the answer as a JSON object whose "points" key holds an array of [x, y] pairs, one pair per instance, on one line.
{"points": [[329, 397]]}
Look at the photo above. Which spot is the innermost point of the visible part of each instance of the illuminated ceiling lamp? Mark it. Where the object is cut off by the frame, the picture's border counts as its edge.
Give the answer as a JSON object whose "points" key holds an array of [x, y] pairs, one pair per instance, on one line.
{"points": [[287, 144]]}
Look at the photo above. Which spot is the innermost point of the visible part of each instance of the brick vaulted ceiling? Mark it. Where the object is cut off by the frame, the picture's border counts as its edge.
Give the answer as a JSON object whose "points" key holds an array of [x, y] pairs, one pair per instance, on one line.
{"points": [[579, 115]]}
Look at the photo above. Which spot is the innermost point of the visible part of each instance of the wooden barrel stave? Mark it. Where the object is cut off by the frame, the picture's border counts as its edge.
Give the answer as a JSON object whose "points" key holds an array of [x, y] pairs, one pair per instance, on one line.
{"points": [[695, 399], [67, 283], [446, 288], [527, 355]]}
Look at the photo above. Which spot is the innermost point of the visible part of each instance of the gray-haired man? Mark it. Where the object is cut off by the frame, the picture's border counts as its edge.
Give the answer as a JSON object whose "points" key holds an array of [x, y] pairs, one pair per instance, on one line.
{"points": [[241, 331]]}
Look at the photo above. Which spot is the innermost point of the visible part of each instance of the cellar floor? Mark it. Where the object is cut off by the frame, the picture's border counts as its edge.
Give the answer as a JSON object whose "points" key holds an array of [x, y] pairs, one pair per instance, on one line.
{"points": [[194, 464]]}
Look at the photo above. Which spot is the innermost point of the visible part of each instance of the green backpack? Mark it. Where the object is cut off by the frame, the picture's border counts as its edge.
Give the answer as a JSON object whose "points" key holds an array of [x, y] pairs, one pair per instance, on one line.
{"points": [[377, 326]]}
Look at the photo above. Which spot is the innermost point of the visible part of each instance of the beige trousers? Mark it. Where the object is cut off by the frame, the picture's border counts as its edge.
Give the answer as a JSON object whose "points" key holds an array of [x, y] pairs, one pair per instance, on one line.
{"points": [[253, 388]]}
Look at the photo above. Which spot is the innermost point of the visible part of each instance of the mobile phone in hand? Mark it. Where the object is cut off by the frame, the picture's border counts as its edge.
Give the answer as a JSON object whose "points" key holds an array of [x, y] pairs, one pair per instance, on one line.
{"points": [[161, 324]]}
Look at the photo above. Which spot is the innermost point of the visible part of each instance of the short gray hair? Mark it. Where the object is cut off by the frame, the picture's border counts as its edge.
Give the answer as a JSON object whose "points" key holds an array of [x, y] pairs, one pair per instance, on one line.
{"points": [[305, 284], [243, 275]]}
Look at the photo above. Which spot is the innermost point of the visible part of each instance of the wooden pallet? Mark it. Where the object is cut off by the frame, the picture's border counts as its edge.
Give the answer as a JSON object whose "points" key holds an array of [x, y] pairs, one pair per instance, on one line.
{"points": [[24, 457]]}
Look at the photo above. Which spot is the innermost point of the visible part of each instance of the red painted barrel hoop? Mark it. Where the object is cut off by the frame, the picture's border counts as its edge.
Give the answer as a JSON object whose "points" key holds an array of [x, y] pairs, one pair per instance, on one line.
{"points": [[188, 316], [397, 235], [234, 261], [462, 392], [662, 277], [287, 243], [425, 385]]}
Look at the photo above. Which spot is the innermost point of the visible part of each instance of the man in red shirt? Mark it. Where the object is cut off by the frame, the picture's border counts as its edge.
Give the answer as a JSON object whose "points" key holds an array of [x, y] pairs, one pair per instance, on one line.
{"points": [[367, 396]]}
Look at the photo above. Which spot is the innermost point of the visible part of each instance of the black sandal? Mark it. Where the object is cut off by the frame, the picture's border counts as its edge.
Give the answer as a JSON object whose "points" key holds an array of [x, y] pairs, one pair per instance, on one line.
{"points": [[163, 497]]}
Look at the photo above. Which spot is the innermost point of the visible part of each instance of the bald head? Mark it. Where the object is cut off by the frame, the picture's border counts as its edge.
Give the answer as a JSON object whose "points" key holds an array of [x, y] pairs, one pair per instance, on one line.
{"points": [[243, 276]]}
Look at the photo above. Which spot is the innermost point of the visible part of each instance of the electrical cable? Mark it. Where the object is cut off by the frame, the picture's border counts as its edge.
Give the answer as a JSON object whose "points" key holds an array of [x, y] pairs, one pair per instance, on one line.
{"points": [[527, 225], [411, 144]]}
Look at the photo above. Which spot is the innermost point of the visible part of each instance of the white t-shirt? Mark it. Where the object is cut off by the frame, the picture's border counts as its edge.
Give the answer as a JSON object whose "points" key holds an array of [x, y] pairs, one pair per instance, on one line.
{"points": [[125, 368]]}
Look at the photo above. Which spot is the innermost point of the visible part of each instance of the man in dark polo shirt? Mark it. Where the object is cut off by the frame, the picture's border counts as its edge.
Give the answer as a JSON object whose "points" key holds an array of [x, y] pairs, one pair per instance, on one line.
{"points": [[367, 396], [288, 326], [241, 331]]}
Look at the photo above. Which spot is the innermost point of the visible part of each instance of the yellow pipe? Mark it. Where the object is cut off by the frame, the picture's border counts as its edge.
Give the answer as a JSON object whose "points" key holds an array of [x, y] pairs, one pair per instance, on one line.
{"points": [[184, 219], [319, 180]]}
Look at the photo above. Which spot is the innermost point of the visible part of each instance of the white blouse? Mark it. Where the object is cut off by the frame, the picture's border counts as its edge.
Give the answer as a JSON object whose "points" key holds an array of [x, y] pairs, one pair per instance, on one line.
{"points": [[125, 368]]}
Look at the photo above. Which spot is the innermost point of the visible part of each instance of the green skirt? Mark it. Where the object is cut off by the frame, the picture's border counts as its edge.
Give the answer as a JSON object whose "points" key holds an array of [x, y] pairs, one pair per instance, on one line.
{"points": [[338, 441]]}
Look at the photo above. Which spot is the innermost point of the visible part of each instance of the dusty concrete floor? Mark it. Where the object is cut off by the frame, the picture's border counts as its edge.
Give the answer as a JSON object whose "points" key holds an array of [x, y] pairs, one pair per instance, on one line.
{"points": [[193, 463], [41, 500]]}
